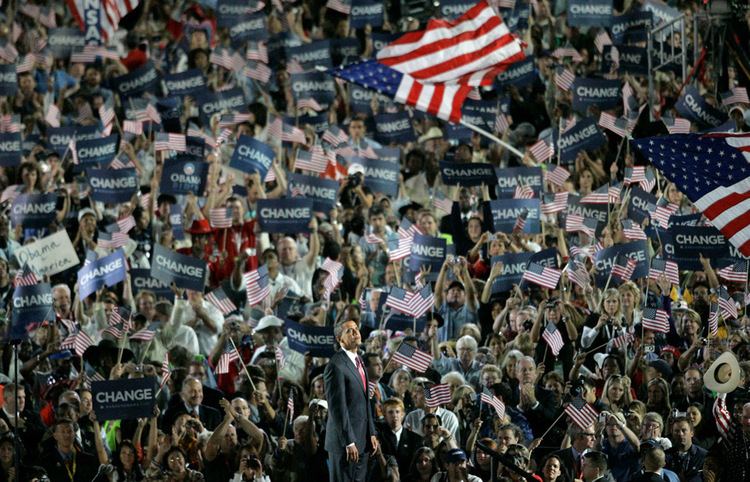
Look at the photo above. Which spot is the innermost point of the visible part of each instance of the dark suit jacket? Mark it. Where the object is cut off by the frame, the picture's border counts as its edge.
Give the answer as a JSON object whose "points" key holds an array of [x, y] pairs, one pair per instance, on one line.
{"points": [[567, 463], [209, 417], [692, 470], [407, 445], [350, 418], [30, 435], [87, 466], [539, 418]]}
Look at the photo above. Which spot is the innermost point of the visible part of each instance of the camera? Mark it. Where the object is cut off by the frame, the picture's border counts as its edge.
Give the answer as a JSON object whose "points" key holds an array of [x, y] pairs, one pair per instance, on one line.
{"points": [[252, 462], [704, 341], [354, 180], [527, 325], [648, 348]]}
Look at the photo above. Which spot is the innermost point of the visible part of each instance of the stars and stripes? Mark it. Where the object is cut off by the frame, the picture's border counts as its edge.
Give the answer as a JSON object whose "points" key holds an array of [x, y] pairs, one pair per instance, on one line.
{"points": [[557, 175], [257, 285], [52, 116], [441, 202], [542, 150], [126, 224], [618, 125], [633, 231], [713, 320], [655, 319], [335, 136], [25, 276], [220, 218], [290, 405], [106, 114], [577, 273], [635, 175], [227, 59], [114, 240], [165, 141], [110, 13], [120, 314], [520, 223], [148, 114], [676, 125], [166, 374], [437, 395], [145, 334], [662, 211], [736, 95], [581, 412], [664, 267], [541, 275], [554, 202], [576, 223], [564, 78], [310, 103], [415, 304], [553, 338], [256, 51], [258, 71], [290, 133], [335, 272], [117, 330], [487, 397], [501, 123], [228, 356], [523, 192], [623, 340], [78, 342], [726, 304], [133, 127], [563, 52], [601, 40], [735, 271], [624, 267], [221, 301], [411, 357], [401, 248], [314, 160], [340, 6]]}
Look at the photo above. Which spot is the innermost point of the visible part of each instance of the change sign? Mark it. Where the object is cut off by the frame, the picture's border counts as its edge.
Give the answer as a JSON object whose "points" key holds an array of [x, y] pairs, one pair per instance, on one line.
{"points": [[184, 177], [314, 85], [251, 155], [323, 192], [692, 106], [605, 259], [514, 265], [64, 41], [364, 12], [602, 93], [10, 149], [509, 178], [311, 55], [631, 27], [318, 340], [584, 135], [692, 242], [394, 128], [455, 8], [249, 27], [590, 13], [185, 83], [381, 176], [98, 151], [427, 251], [519, 73], [474, 174], [285, 215], [210, 103], [505, 212], [143, 79], [31, 304], [8, 80], [184, 271], [106, 271], [141, 279], [124, 399], [34, 210], [112, 185]]}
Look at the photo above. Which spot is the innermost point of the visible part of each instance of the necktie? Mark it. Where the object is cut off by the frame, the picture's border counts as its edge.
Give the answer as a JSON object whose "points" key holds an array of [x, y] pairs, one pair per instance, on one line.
{"points": [[361, 373]]}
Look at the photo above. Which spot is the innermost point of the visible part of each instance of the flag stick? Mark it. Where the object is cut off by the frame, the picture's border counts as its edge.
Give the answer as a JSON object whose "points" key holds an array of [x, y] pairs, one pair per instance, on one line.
{"points": [[552, 425], [606, 286], [492, 137], [143, 355], [390, 356], [244, 367]]}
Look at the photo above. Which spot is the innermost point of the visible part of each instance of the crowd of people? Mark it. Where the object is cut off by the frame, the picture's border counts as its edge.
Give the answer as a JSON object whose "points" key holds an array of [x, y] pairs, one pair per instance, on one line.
{"points": [[237, 400]]}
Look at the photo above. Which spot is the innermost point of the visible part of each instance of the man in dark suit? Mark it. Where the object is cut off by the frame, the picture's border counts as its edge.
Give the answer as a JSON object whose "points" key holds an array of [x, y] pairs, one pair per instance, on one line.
{"points": [[190, 401], [538, 405], [30, 427], [570, 458], [594, 467], [395, 439], [350, 430], [64, 461]]}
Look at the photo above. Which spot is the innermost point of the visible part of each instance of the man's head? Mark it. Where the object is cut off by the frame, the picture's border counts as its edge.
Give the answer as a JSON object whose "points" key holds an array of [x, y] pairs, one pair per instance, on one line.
{"points": [[490, 375], [9, 398], [393, 410], [192, 392], [694, 381], [455, 461], [652, 456], [64, 434], [347, 335], [61, 300], [431, 428], [682, 434], [287, 248], [240, 406], [583, 439], [376, 218], [374, 365], [553, 310], [526, 370], [466, 346], [508, 435], [593, 465], [456, 293], [357, 129]]}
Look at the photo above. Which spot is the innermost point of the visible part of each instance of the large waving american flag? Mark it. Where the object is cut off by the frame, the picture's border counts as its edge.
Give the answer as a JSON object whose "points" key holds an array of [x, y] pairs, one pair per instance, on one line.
{"points": [[110, 14], [435, 69]]}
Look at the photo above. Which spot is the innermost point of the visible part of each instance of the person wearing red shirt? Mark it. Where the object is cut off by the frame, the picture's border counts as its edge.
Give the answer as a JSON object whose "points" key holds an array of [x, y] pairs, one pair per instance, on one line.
{"points": [[233, 241]]}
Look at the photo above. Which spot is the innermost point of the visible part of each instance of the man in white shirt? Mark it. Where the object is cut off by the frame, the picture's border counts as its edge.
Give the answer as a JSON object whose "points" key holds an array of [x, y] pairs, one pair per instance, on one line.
{"points": [[173, 332], [204, 318], [278, 281], [300, 269], [413, 420]]}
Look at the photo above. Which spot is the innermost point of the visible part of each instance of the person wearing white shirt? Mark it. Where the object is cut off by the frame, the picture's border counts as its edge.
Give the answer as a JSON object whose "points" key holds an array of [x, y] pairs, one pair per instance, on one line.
{"points": [[204, 318], [278, 281], [173, 332]]}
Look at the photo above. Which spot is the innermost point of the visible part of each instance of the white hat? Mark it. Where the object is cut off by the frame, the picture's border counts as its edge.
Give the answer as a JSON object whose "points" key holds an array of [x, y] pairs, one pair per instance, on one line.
{"points": [[320, 402], [86, 211], [269, 321], [723, 376], [432, 133], [356, 169]]}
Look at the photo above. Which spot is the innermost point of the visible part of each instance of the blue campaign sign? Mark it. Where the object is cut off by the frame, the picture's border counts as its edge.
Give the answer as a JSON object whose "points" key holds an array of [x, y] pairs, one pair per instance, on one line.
{"points": [[319, 122], [62, 42], [314, 85], [140, 279], [184, 177], [520, 73], [366, 12], [456, 133], [185, 83], [389, 154], [590, 13], [661, 11], [584, 135], [427, 251], [455, 8], [361, 99], [285, 215], [323, 192], [143, 79], [518, 18], [248, 27], [58, 138], [210, 103], [631, 27], [106, 271], [605, 259], [685, 220], [690, 242], [124, 399], [230, 12], [381, 39], [344, 50], [474, 174], [29, 142], [112, 185], [602, 93], [311, 55], [34, 210], [98, 151], [10, 149], [399, 322], [641, 204], [87, 133], [509, 178], [586, 211], [692, 106], [31, 304], [514, 265], [381, 176], [8, 80], [394, 128], [317, 340], [195, 148], [505, 212], [632, 60], [480, 113], [184, 271], [251, 155]]}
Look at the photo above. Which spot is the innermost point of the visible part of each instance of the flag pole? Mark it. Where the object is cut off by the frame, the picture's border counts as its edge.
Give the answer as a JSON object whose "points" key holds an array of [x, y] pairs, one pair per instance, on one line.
{"points": [[492, 137], [242, 362], [552, 425]]}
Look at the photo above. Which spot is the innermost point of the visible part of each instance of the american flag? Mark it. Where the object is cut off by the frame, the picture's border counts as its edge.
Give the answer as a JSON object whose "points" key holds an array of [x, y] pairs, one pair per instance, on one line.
{"points": [[736, 95], [735, 271], [26, 64], [257, 285], [294, 67], [541, 275], [564, 78], [339, 5], [629, 102], [623, 340], [290, 405], [84, 113], [602, 40], [111, 240], [110, 13], [655, 319], [279, 356], [667, 268], [227, 357], [132, 127], [523, 192], [314, 161], [106, 114], [487, 397], [256, 51], [713, 320], [553, 338], [371, 387], [577, 273], [633, 230], [727, 304], [258, 71], [84, 56], [231, 120], [335, 272], [400, 249], [624, 267], [574, 222], [442, 203], [501, 123], [557, 175], [220, 218], [618, 125], [437, 395], [542, 150], [166, 373], [676, 125], [126, 224], [10, 123], [149, 113], [520, 223], [413, 358], [145, 334], [581, 412], [25, 276], [227, 59], [424, 69], [309, 104], [335, 136], [292, 134], [78, 342], [8, 53], [221, 301], [554, 202], [663, 210], [52, 117], [117, 330], [367, 152], [635, 175], [599, 196], [165, 141], [562, 52]]}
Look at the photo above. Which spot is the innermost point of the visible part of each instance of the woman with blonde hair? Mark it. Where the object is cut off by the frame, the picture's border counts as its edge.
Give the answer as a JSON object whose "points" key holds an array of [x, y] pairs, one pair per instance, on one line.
{"points": [[630, 300], [616, 393], [599, 328]]}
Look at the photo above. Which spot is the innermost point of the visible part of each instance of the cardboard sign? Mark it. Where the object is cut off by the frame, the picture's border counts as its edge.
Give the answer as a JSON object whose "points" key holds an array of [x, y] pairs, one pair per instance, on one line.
{"points": [[366, 12], [474, 174], [50, 255], [602, 93], [584, 135], [134, 83], [605, 259], [427, 251], [505, 212], [10, 149], [314, 85], [251, 155], [8, 80], [185, 83], [98, 151], [323, 192], [381, 176], [692, 106], [519, 73], [106, 271], [62, 42], [34, 210], [140, 279], [184, 177], [311, 55], [210, 103], [590, 13], [509, 178], [394, 128]]}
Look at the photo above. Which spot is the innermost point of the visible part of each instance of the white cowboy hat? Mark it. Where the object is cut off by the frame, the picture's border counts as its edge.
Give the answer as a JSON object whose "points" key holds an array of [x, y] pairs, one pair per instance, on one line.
{"points": [[723, 376]]}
